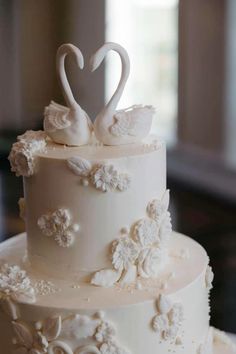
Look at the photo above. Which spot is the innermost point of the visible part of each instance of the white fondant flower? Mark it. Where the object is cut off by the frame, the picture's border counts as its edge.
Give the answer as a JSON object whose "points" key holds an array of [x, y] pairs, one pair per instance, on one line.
{"points": [[105, 177], [21, 159], [15, 284], [32, 135], [124, 182], [64, 238], [124, 252], [169, 318], [61, 219], [209, 278], [156, 208], [150, 261], [58, 224], [105, 332], [22, 153], [146, 232], [112, 348]]}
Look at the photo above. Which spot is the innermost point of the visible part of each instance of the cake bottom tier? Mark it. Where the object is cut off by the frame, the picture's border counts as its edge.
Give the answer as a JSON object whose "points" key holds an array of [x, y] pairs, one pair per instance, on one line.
{"points": [[168, 315]]}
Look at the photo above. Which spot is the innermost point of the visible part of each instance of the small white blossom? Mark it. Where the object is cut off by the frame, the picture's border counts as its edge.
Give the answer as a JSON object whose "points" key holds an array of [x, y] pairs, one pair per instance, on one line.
{"points": [[146, 232], [124, 252], [105, 332], [167, 323], [112, 348], [58, 224], [124, 182], [105, 177], [22, 153], [64, 238], [15, 284]]}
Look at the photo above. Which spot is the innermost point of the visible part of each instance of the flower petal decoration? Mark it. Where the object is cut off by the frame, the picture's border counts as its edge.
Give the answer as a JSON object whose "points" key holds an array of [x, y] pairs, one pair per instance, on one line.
{"points": [[106, 277], [22, 155], [105, 177], [156, 208], [124, 252], [15, 284], [58, 224], [81, 167], [146, 232]]}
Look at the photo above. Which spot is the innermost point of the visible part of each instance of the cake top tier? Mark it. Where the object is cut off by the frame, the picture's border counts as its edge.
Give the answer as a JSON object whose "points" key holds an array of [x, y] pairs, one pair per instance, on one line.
{"points": [[96, 151], [70, 125]]}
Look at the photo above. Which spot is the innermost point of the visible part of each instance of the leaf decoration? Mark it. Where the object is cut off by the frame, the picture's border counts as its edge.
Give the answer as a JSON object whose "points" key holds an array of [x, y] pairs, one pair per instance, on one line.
{"points": [[88, 349], [23, 334], [27, 297], [10, 308], [106, 277], [59, 347], [129, 276], [52, 328], [163, 304], [81, 167]]}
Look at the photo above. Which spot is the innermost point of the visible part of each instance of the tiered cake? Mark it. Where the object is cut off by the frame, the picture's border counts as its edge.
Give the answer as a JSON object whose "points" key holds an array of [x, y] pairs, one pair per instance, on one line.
{"points": [[99, 269]]}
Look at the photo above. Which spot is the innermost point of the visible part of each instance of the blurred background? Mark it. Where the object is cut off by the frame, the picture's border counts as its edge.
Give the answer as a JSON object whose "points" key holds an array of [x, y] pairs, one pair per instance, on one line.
{"points": [[183, 55]]}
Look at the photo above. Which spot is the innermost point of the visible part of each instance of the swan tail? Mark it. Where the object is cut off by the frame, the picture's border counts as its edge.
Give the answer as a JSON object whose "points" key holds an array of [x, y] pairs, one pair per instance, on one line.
{"points": [[133, 121], [56, 117]]}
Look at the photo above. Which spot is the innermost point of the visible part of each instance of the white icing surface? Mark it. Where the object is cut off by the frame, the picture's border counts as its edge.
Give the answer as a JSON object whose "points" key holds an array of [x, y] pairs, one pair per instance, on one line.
{"points": [[186, 270], [124, 306], [100, 215]]}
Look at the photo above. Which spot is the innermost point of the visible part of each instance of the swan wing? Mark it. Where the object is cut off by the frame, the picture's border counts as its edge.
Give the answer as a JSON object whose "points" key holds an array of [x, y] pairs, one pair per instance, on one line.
{"points": [[132, 121], [56, 117]]}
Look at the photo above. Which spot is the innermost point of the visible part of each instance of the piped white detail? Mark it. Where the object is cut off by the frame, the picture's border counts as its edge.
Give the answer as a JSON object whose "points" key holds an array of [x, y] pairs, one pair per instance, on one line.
{"points": [[58, 224], [142, 252]]}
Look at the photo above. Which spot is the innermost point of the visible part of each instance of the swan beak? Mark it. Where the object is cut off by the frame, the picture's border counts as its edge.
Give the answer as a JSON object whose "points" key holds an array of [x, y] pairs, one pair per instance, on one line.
{"points": [[92, 64]]}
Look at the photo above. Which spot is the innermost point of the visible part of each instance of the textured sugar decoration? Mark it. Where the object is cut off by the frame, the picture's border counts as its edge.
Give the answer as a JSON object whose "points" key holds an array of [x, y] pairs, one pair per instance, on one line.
{"points": [[15, 286], [103, 177], [22, 156], [58, 225], [53, 336], [140, 251], [169, 318]]}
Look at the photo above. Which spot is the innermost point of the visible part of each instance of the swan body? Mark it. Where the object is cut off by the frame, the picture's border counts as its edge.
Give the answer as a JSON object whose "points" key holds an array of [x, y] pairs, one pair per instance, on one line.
{"points": [[126, 126], [67, 125]]}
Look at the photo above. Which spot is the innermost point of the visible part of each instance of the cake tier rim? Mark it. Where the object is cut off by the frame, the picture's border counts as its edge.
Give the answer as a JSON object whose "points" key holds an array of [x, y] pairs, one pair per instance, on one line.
{"points": [[85, 304]]}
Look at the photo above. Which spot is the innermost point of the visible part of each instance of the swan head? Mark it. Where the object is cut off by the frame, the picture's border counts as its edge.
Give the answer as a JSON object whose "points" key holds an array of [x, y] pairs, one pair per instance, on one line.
{"points": [[75, 52]]}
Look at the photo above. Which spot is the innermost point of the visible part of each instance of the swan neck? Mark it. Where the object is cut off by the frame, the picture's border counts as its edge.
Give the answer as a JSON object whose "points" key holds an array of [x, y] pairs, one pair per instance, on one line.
{"points": [[66, 90], [112, 104]]}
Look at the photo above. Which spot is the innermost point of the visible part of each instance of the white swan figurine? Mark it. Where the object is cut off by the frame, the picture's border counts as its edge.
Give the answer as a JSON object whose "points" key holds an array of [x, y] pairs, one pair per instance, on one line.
{"points": [[67, 125], [124, 126]]}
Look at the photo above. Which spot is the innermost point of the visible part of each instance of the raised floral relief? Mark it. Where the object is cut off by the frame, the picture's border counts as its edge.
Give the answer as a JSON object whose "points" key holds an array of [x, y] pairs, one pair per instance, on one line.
{"points": [[15, 286], [22, 155], [209, 278], [141, 251], [54, 334], [58, 225], [103, 177], [169, 318]]}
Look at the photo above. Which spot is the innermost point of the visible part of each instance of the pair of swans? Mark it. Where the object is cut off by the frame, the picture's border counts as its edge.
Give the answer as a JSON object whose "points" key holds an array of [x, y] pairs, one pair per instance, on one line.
{"points": [[71, 125]]}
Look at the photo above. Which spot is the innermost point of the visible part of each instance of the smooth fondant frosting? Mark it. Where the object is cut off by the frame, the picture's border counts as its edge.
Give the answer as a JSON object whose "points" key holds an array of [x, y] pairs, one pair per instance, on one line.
{"points": [[181, 281], [99, 214]]}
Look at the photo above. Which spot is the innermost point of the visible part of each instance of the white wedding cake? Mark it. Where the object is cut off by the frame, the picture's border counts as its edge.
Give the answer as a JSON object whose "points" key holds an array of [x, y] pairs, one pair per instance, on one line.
{"points": [[99, 269]]}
